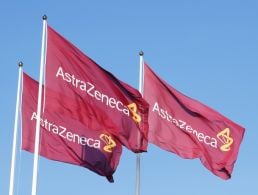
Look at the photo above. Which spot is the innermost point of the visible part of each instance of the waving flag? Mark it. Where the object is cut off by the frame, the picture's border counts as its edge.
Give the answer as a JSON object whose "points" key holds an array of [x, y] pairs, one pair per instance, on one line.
{"points": [[189, 128], [64, 138], [102, 101]]}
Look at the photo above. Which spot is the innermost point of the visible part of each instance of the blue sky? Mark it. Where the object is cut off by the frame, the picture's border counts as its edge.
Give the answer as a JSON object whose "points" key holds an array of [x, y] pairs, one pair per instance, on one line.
{"points": [[206, 49]]}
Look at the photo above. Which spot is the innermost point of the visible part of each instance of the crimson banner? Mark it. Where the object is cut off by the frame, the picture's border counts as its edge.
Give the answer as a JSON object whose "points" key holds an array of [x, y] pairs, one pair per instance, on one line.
{"points": [[190, 129], [63, 138], [101, 101]]}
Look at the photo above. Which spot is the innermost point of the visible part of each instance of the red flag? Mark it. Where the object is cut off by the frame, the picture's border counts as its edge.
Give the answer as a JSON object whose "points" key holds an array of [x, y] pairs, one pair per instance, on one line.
{"points": [[189, 128], [104, 101], [66, 139]]}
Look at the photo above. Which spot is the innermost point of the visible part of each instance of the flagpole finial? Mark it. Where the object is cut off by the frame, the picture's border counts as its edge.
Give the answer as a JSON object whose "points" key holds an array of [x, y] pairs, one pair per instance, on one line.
{"points": [[141, 53], [44, 17], [20, 64]]}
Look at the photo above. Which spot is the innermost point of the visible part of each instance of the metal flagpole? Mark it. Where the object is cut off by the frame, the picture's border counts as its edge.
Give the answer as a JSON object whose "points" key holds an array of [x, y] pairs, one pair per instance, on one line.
{"points": [[138, 156], [15, 130], [141, 72], [37, 136]]}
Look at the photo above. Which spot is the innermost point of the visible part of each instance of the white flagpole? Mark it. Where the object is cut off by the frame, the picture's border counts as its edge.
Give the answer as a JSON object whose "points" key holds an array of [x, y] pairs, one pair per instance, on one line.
{"points": [[138, 156], [15, 130], [141, 72], [37, 136]]}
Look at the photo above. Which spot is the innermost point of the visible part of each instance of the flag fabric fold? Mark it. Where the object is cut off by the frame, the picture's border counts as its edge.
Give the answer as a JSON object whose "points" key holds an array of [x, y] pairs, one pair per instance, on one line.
{"points": [[190, 129], [64, 138], [101, 101]]}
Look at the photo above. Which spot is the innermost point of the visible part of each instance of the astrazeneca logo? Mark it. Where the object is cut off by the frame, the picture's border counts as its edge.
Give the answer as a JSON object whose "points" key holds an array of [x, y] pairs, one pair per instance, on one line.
{"points": [[110, 143], [224, 137]]}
